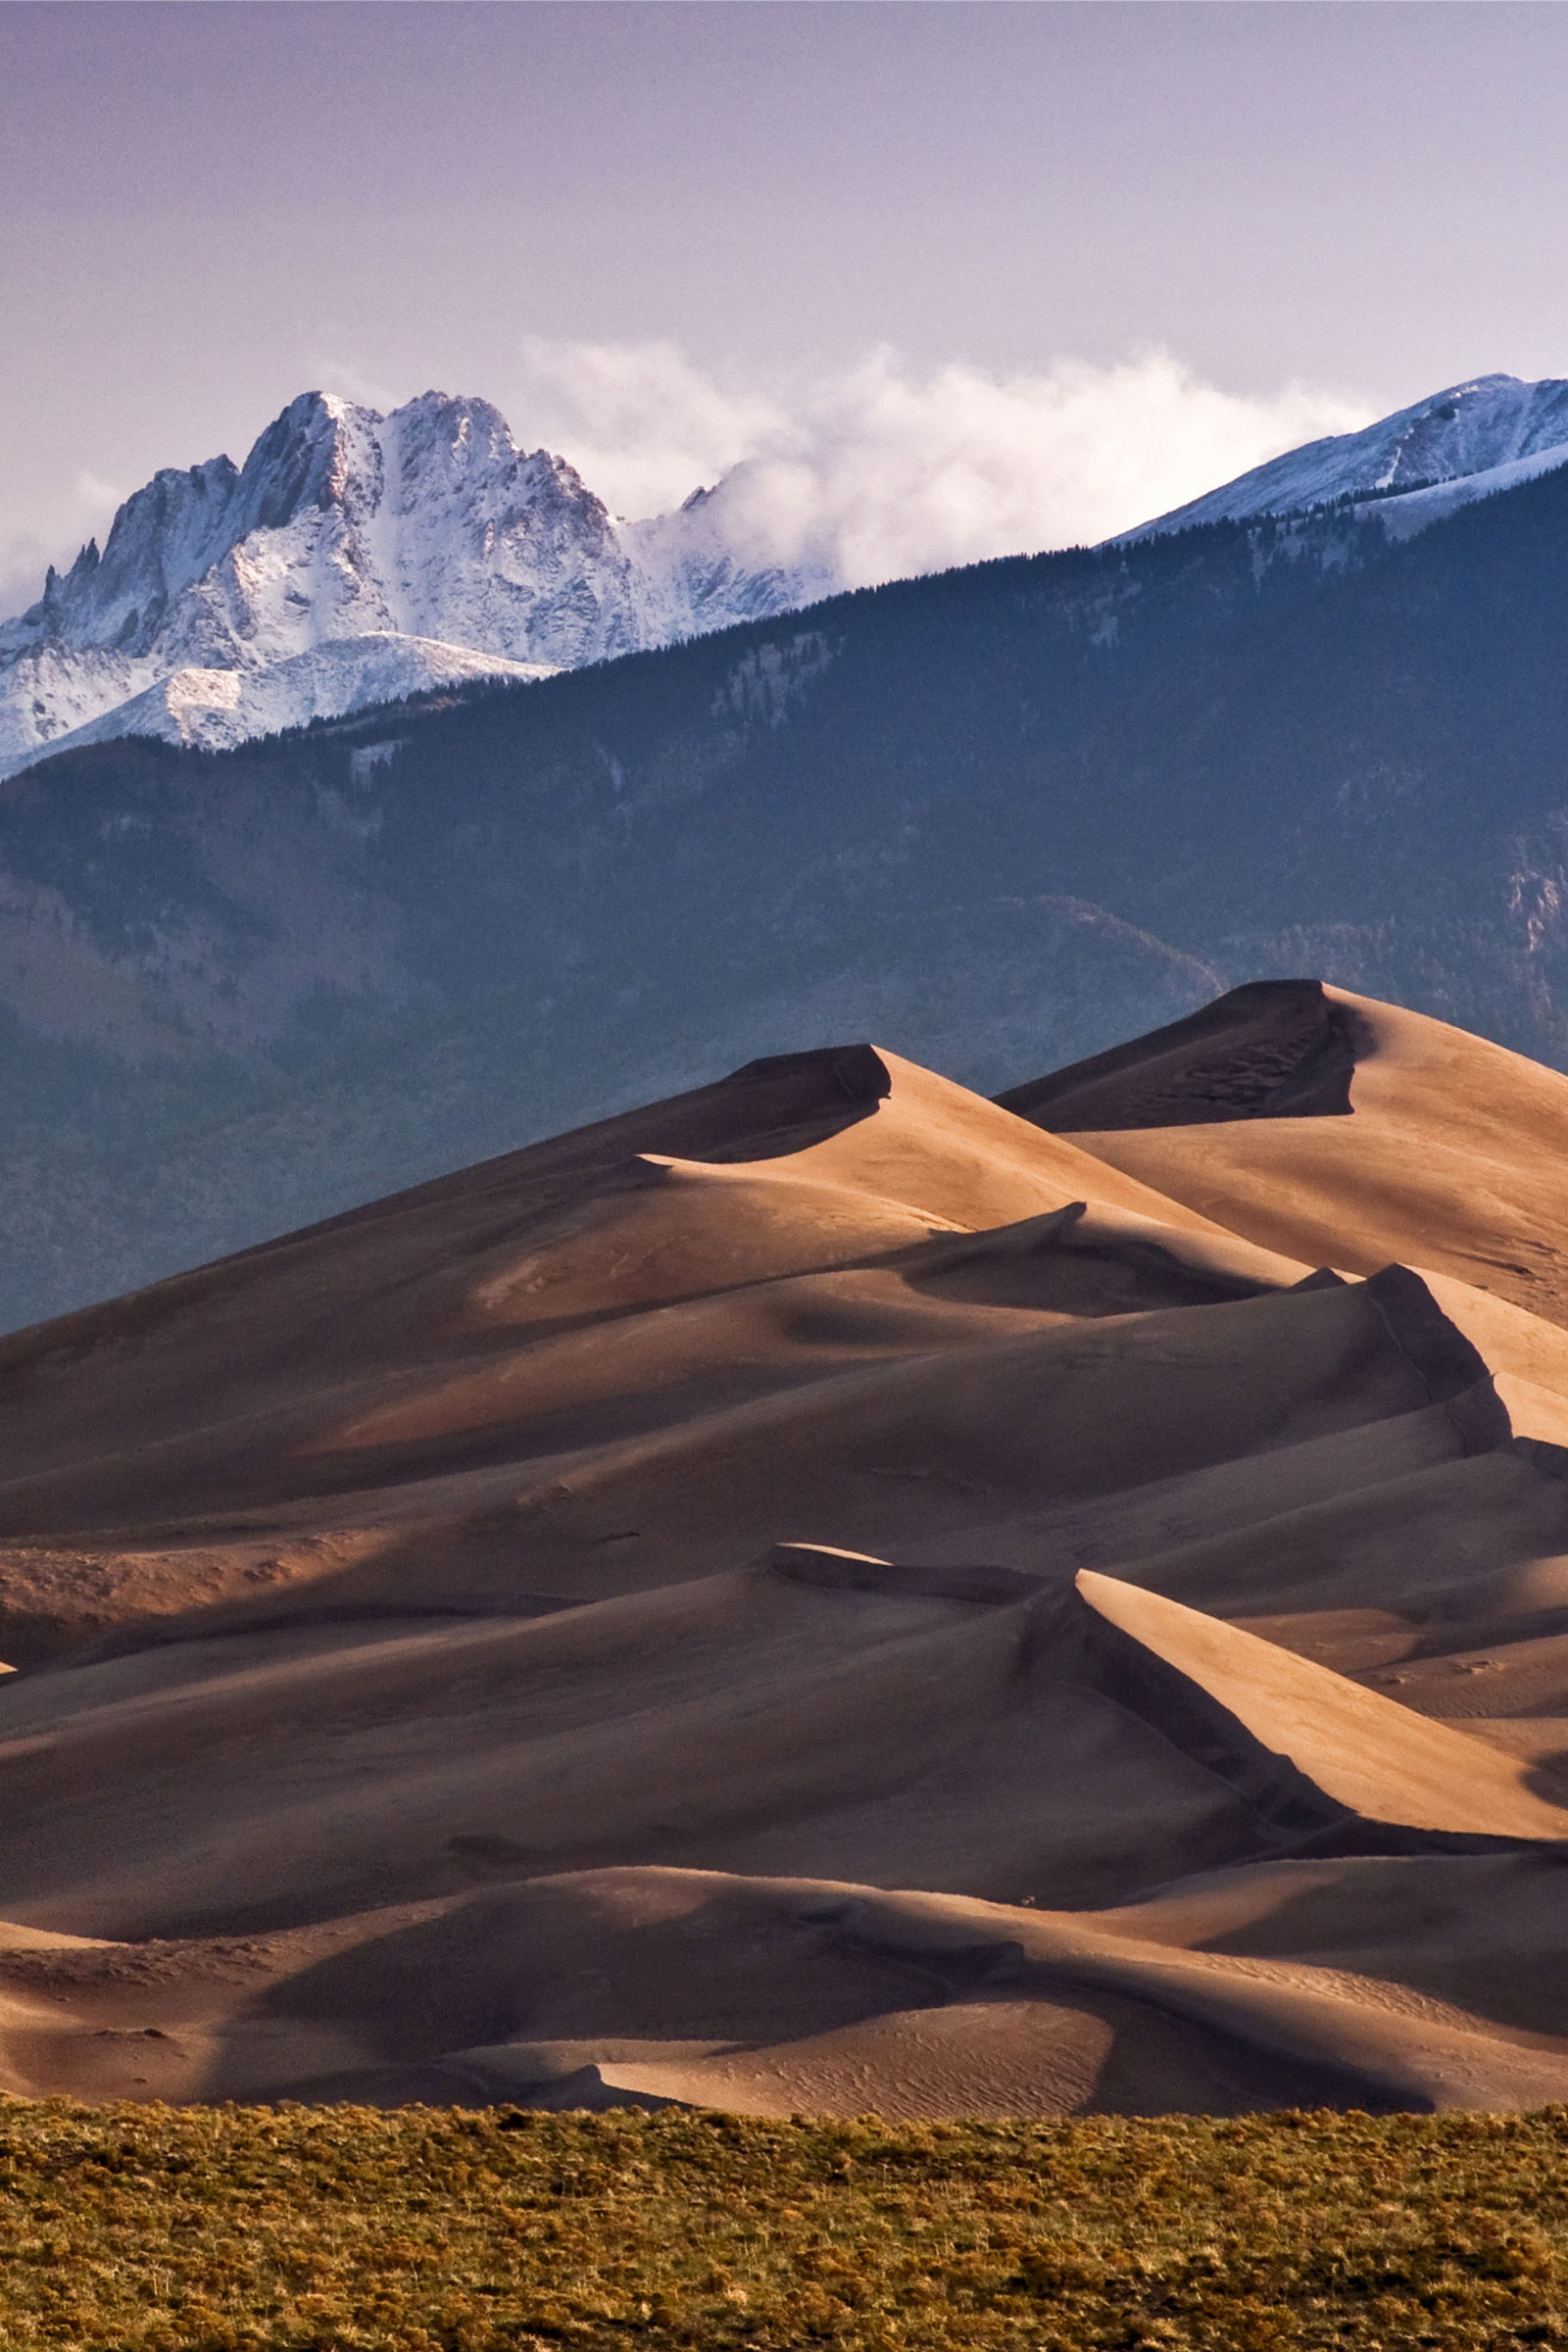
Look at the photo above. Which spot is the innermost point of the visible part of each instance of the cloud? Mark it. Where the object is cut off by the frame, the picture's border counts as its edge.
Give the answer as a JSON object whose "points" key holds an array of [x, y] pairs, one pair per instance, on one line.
{"points": [[643, 427], [22, 556], [95, 496], [884, 469], [350, 381]]}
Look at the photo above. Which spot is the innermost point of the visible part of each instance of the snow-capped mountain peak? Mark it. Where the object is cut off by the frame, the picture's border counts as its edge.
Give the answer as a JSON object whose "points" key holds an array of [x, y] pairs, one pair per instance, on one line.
{"points": [[1457, 436], [429, 524]]}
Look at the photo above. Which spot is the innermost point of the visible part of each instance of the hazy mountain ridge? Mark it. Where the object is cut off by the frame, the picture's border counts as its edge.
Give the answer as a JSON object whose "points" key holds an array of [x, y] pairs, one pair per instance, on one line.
{"points": [[426, 536]]}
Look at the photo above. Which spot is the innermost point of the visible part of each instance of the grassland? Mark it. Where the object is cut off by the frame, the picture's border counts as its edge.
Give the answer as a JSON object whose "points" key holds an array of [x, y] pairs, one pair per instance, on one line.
{"points": [[163, 2228]]}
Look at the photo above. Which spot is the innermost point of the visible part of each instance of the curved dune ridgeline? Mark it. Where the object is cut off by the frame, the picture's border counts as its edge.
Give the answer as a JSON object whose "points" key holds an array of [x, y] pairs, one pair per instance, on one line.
{"points": [[828, 1592]]}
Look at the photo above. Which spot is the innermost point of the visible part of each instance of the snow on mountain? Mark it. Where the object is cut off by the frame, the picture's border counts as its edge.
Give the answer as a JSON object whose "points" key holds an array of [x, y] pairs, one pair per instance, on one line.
{"points": [[352, 557], [213, 709], [1412, 510], [1484, 434], [702, 563]]}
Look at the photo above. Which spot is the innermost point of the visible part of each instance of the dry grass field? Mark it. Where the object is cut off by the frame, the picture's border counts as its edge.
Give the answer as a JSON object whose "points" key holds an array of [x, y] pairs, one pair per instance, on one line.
{"points": [[127, 2228]]}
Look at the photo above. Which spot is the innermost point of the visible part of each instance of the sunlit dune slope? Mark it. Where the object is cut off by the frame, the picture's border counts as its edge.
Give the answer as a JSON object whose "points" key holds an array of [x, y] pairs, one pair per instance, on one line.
{"points": [[828, 1592]]}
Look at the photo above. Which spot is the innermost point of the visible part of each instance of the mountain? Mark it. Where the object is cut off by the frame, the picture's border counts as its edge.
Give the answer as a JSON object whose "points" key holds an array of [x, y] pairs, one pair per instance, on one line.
{"points": [[357, 560], [354, 559], [1407, 470], [828, 1594]]}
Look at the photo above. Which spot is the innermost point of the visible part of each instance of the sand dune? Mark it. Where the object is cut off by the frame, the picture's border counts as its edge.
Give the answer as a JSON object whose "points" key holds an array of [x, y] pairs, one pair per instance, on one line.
{"points": [[828, 1592]]}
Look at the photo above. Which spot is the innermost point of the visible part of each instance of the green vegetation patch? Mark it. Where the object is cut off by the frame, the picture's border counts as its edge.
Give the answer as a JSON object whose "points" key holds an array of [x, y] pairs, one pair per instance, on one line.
{"points": [[147, 2228]]}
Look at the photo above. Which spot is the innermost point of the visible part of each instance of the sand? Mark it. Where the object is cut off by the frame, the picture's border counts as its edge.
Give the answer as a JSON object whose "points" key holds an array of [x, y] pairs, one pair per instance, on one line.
{"points": [[828, 1594]]}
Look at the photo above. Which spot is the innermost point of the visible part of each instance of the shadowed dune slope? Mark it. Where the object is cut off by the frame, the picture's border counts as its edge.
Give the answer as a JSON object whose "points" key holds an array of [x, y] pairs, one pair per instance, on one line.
{"points": [[828, 1592], [1272, 1049]]}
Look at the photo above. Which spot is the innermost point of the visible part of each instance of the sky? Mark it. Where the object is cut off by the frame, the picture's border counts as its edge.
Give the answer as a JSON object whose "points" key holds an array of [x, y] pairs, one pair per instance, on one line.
{"points": [[960, 275]]}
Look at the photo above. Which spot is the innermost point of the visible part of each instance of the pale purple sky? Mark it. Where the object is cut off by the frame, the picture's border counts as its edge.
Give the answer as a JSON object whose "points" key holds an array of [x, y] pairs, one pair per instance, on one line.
{"points": [[661, 235]]}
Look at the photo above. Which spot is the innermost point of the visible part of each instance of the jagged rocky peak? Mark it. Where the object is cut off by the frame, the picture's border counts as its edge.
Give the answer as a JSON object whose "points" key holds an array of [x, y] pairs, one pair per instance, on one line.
{"points": [[452, 466], [323, 458], [322, 452], [467, 439], [428, 539], [161, 541]]}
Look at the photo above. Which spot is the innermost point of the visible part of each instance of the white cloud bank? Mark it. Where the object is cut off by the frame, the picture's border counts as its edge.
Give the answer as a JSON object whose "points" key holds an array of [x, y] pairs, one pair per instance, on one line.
{"points": [[885, 469]]}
